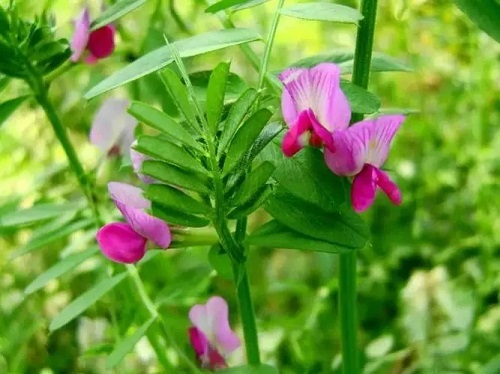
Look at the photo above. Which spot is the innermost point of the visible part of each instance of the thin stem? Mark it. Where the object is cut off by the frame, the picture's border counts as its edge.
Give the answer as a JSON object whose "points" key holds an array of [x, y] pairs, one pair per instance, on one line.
{"points": [[347, 261], [269, 44], [65, 67]]}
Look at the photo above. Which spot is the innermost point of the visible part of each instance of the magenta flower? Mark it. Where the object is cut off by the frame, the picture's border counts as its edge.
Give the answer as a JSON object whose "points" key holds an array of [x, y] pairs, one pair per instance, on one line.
{"points": [[211, 337], [126, 242], [313, 106], [113, 128], [99, 43], [137, 159], [360, 151]]}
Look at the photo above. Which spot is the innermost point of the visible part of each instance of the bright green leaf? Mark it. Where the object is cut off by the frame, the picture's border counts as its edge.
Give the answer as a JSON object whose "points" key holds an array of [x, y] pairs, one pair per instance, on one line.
{"points": [[116, 11], [484, 13], [215, 95], [161, 57], [175, 217], [275, 235], [221, 262], [224, 4], [234, 88], [163, 123], [162, 149], [175, 176], [38, 213], [253, 183], [7, 108], [361, 100], [176, 199], [84, 301], [261, 369], [323, 12], [235, 117], [180, 96], [245, 138], [253, 204], [59, 268], [126, 345], [248, 4], [4, 82]]}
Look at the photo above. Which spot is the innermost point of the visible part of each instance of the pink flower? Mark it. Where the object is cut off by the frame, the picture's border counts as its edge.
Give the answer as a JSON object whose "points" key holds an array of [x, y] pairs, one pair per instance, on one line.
{"points": [[313, 106], [99, 43], [211, 337], [137, 159], [113, 128], [360, 151], [126, 242]]}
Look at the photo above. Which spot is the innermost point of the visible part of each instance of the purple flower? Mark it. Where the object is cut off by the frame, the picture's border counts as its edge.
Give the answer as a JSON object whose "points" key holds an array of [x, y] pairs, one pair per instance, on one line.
{"points": [[360, 151], [126, 242], [113, 128], [99, 43], [137, 159], [211, 337], [313, 106]]}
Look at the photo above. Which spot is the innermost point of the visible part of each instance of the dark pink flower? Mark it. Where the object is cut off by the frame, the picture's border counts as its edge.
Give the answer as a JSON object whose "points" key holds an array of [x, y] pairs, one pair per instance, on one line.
{"points": [[313, 106], [126, 242], [211, 337], [360, 151], [95, 45], [113, 128]]}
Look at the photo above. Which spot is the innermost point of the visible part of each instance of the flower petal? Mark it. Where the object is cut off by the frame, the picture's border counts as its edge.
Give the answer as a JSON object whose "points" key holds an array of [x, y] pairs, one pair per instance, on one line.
{"points": [[199, 341], [347, 155], [120, 243], [212, 319], [317, 89], [385, 127], [129, 200], [113, 126], [288, 105], [364, 188], [101, 42], [81, 35], [293, 140], [389, 187], [137, 159]]}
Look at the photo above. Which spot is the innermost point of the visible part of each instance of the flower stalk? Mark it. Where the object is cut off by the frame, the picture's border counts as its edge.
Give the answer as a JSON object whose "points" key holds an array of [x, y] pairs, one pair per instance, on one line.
{"points": [[347, 261]]}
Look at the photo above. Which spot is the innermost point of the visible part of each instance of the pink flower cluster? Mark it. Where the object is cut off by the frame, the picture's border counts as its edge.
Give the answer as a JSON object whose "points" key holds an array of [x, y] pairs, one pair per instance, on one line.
{"points": [[317, 113]]}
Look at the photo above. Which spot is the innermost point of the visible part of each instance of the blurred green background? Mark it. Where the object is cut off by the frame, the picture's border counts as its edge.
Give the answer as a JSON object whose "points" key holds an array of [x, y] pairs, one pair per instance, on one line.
{"points": [[429, 282]]}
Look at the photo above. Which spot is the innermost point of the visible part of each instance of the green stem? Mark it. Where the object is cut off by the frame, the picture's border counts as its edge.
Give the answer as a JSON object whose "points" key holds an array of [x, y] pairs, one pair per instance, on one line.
{"points": [[269, 44], [364, 47], [67, 66], [347, 261]]}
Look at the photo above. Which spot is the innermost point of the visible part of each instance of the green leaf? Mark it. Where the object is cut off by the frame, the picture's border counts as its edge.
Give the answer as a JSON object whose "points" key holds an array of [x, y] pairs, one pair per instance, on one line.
{"points": [[221, 262], [215, 95], [253, 204], [343, 227], [261, 369], [126, 345], [253, 183], [235, 117], [484, 13], [60, 268], [245, 138], [265, 137], [164, 150], [180, 96], [161, 57], [323, 12], [234, 88], [162, 122], [275, 235], [176, 199], [360, 99], [175, 176], [175, 217], [116, 11], [42, 240], [84, 301], [4, 82], [38, 213], [345, 59], [224, 4], [248, 4], [7, 108]]}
